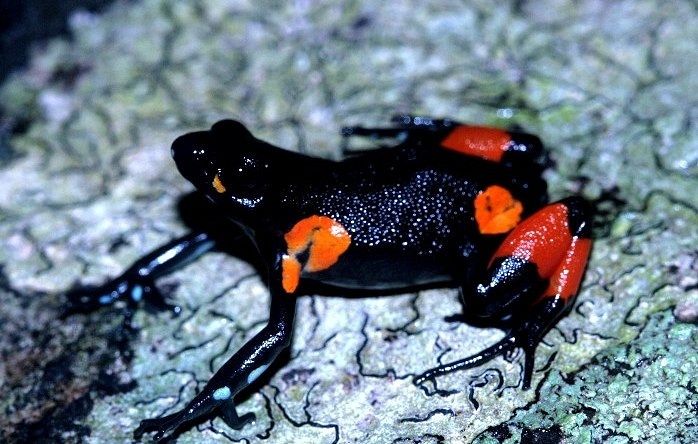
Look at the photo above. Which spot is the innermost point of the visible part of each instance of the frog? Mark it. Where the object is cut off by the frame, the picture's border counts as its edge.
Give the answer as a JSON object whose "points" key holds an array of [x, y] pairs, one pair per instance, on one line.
{"points": [[436, 203]]}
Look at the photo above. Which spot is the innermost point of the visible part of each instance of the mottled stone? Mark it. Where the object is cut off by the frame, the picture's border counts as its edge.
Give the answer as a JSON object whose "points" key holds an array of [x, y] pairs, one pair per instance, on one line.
{"points": [[640, 391], [89, 187]]}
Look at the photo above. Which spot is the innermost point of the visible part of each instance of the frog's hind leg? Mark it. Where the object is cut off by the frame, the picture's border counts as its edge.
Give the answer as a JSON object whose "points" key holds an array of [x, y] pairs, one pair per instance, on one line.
{"points": [[403, 126], [241, 370], [396, 134], [508, 148], [413, 121], [537, 272], [137, 282]]}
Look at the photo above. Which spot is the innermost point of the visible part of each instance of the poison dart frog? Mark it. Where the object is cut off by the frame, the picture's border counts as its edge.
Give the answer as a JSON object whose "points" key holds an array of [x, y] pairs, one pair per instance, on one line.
{"points": [[444, 204]]}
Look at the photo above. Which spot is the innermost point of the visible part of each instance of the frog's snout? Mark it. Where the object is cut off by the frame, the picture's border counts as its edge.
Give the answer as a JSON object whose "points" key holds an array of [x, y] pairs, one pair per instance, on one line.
{"points": [[193, 155], [189, 146], [200, 155]]}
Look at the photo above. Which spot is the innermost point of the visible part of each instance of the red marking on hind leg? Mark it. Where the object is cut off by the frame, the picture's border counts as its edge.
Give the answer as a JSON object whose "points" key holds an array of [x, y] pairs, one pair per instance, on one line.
{"points": [[542, 239], [566, 279], [479, 141]]}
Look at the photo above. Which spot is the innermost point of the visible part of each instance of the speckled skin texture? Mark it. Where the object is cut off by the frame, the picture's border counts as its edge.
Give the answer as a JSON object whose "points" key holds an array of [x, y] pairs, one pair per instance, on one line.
{"points": [[88, 186], [411, 232]]}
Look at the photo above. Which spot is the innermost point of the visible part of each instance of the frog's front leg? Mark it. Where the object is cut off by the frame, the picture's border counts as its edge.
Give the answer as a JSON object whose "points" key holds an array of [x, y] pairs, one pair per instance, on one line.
{"points": [[137, 282], [531, 281], [238, 372]]}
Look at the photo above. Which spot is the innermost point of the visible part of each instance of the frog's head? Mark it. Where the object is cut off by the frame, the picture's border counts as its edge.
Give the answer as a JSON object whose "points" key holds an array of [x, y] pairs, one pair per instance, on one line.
{"points": [[227, 163]]}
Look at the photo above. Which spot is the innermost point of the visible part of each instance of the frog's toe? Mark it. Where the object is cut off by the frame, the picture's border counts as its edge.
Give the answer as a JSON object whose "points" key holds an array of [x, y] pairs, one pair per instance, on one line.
{"points": [[80, 300], [89, 298], [155, 301], [229, 415], [160, 426]]}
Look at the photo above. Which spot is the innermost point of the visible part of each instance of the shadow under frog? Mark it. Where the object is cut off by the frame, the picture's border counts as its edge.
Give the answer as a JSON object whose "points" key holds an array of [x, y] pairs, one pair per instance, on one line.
{"points": [[447, 204]]}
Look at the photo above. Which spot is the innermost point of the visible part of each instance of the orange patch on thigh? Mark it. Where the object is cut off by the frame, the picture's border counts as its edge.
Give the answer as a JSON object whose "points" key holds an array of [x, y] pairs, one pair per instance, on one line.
{"points": [[496, 210]]}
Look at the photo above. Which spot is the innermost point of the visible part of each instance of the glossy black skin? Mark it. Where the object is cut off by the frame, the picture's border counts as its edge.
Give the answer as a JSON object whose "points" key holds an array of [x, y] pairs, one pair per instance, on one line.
{"points": [[408, 209]]}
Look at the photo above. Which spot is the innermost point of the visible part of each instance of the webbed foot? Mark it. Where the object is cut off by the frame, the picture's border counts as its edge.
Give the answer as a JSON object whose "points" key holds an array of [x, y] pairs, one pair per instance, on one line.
{"points": [[129, 290], [137, 282], [526, 336], [161, 426], [230, 416], [164, 427], [501, 347], [92, 297], [412, 121]]}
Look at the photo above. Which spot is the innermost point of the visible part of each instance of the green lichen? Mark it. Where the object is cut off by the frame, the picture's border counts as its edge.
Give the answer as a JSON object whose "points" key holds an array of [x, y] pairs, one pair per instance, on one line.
{"points": [[643, 390], [610, 89]]}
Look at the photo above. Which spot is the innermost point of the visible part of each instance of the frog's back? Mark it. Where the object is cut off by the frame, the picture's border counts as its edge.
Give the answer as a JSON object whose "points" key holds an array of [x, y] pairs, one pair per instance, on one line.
{"points": [[408, 211], [419, 211]]}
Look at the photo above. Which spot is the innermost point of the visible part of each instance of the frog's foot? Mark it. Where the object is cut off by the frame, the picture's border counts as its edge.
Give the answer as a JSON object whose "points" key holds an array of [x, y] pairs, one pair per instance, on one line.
{"points": [[161, 426], [137, 282], [412, 121], [526, 336], [164, 427], [404, 127], [501, 347], [129, 290], [230, 416], [555, 243], [91, 298], [374, 133], [155, 301]]}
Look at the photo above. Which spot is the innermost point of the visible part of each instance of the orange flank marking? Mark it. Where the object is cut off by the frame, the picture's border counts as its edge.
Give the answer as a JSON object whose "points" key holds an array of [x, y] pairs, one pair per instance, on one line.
{"points": [[479, 141], [496, 210], [217, 184], [543, 239], [290, 273], [568, 276], [325, 240]]}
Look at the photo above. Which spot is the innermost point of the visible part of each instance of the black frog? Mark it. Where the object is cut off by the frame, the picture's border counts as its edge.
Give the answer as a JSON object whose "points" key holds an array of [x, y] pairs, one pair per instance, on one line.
{"points": [[447, 205]]}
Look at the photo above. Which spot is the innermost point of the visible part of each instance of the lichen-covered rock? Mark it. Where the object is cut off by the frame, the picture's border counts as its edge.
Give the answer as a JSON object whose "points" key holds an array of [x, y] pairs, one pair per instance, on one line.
{"points": [[640, 391], [89, 186]]}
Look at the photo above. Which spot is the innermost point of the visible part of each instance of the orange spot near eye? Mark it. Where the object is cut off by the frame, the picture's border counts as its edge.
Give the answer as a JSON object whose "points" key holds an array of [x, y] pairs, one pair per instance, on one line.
{"points": [[496, 210], [325, 240], [479, 141], [217, 184]]}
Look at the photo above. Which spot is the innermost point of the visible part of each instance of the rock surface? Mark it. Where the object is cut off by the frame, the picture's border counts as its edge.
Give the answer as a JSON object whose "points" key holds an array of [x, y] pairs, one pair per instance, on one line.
{"points": [[88, 186]]}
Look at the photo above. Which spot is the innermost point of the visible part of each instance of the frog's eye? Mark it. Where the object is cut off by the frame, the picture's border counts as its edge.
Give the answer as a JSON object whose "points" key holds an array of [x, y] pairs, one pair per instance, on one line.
{"points": [[231, 131]]}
